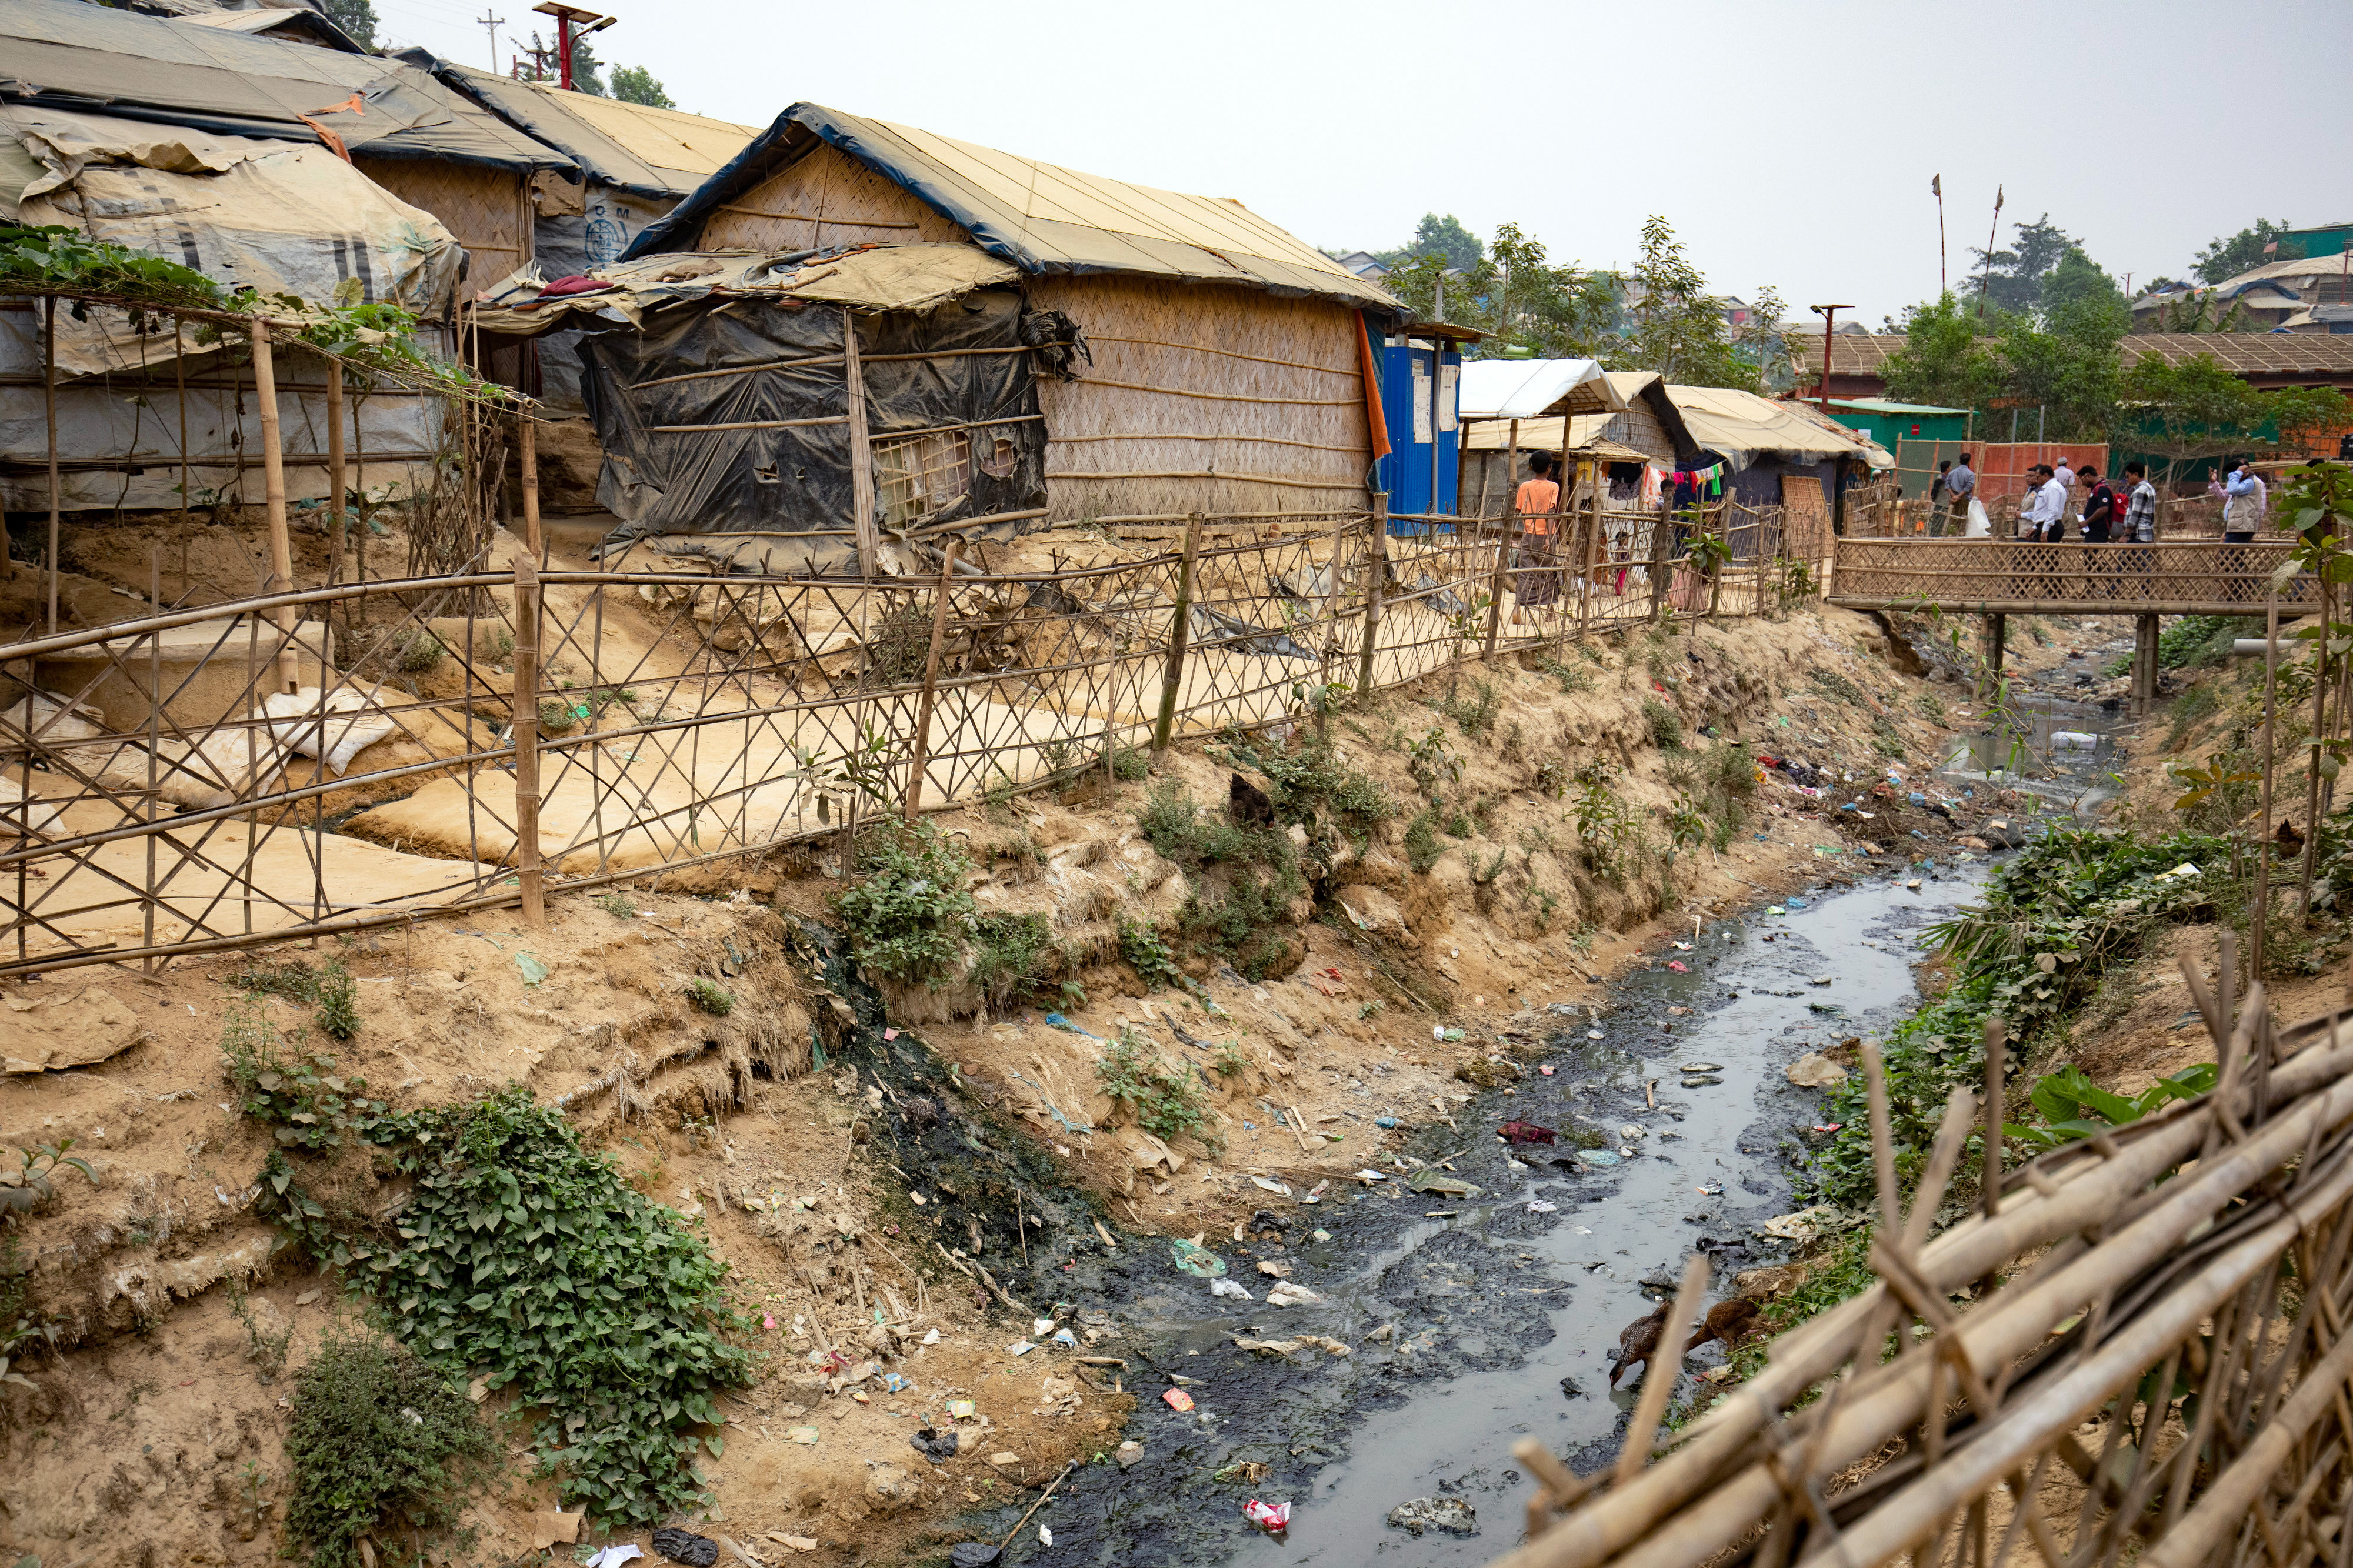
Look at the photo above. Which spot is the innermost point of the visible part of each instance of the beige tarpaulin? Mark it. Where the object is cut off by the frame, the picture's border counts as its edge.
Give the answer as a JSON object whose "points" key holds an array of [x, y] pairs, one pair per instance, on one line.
{"points": [[902, 277], [1737, 424]]}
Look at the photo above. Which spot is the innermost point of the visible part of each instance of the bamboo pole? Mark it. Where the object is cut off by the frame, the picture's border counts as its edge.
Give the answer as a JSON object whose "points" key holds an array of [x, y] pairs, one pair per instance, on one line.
{"points": [[527, 448], [273, 495], [526, 741], [920, 755], [1329, 637], [154, 750], [2259, 926], [1504, 538], [49, 411], [1664, 1371], [1180, 633], [1376, 559], [2311, 760], [862, 452]]}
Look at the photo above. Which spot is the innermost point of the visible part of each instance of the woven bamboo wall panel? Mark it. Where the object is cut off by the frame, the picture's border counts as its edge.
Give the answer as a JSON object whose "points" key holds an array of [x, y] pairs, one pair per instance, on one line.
{"points": [[483, 208], [825, 199], [1202, 398], [2207, 576]]}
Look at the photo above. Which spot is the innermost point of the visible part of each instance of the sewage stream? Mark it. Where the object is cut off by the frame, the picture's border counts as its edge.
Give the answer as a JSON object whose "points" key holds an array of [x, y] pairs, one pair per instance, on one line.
{"points": [[1497, 1316]]}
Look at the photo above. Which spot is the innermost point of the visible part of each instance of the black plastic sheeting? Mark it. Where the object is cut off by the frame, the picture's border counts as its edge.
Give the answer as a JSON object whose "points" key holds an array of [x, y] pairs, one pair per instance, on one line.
{"points": [[797, 480]]}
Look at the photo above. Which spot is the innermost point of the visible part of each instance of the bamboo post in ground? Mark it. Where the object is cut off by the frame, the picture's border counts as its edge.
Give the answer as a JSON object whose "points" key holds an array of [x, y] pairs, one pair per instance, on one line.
{"points": [[1504, 537], [861, 450], [154, 750], [2259, 925], [1376, 565], [1990, 1171], [527, 454], [57, 499], [921, 756], [1180, 632], [1331, 630], [1661, 534], [526, 741], [273, 494], [336, 475], [2312, 758]]}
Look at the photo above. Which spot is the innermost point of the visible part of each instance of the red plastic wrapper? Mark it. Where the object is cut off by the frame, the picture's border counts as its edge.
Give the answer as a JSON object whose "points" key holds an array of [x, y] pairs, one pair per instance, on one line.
{"points": [[1179, 1399], [1272, 1517], [1524, 1132]]}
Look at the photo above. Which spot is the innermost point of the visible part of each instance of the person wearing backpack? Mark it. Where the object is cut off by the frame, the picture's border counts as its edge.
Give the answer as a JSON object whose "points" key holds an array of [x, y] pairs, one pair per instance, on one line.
{"points": [[2099, 518]]}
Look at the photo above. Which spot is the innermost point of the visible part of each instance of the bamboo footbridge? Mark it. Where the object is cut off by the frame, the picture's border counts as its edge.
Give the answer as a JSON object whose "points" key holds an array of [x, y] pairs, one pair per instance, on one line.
{"points": [[2135, 1349], [2000, 576]]}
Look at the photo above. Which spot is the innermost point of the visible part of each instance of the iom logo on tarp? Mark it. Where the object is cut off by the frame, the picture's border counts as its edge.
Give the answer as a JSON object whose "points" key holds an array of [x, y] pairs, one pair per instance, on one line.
{"points": [[605, 239]]}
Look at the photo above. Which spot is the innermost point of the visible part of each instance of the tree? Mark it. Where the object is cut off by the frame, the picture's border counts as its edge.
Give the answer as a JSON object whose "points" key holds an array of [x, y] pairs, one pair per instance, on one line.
{"points": [[1529, 308], [2200, 408], [1679, 330], [2012, 280], [635, 84], [584, 66], [1441, 237], [2226, 258], [1943, 361], [2077, 281], [355, 17]]}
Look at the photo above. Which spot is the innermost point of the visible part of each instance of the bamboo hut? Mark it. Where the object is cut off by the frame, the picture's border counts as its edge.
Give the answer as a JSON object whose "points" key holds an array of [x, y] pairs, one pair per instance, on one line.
{"points": [[1225, 367], [1627, 421]]}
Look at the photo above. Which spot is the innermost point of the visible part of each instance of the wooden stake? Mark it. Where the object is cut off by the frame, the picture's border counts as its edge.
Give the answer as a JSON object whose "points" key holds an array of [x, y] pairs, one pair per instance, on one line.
{"points": [[527, 445], [2259, 925], [1377, 558], [273, 495], [1504, 538], [1180, 633], [1990, 1180], [921, 755], [526, 741], [862, 452], [337, 479], [2312, 765]]}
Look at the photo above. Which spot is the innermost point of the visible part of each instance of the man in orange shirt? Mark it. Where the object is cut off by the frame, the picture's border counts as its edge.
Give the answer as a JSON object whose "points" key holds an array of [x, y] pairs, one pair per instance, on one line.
{"points": [[1537, 583]]}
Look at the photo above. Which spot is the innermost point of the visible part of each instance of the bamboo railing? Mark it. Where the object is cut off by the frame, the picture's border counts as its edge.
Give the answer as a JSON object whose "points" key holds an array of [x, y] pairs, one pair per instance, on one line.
{"points": [[2182, 1283], [2001, 576]]}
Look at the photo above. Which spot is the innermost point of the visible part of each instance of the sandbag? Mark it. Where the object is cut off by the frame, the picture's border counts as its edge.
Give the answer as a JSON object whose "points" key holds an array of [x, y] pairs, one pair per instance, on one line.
{"points": [[352, 722]]}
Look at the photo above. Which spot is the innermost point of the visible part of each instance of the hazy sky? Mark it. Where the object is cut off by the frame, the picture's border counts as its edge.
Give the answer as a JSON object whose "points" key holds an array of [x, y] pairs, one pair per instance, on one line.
{"points": [[1789, 144]]}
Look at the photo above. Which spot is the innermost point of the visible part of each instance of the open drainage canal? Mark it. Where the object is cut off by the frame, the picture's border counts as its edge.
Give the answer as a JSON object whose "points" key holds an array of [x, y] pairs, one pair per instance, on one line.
{"points": [[1476, 1319]]}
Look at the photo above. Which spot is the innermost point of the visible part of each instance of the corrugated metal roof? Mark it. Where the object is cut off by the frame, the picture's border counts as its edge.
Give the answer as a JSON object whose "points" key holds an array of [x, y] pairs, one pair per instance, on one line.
{"points": [[2246, 353], [83, 58], [1040, 216]]}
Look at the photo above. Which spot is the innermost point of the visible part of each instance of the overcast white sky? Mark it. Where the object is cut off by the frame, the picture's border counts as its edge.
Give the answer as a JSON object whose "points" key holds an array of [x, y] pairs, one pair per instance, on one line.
{"points": [[1790, 143]]}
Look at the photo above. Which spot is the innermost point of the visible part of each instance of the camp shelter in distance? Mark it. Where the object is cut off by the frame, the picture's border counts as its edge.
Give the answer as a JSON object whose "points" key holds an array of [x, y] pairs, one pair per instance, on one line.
{"points": [[1621, 419], [1226, 363]]}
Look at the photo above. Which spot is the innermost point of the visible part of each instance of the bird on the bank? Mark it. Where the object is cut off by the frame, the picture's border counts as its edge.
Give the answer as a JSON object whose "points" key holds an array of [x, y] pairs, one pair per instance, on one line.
{"points": [[1247, 803], [1728, 1320], [2289, 838], [1638, 1340]]}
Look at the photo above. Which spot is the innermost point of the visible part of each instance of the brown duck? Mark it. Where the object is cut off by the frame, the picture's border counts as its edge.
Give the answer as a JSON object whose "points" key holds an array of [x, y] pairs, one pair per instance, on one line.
{"points": [[1730, 1322], [1638, 1340]]}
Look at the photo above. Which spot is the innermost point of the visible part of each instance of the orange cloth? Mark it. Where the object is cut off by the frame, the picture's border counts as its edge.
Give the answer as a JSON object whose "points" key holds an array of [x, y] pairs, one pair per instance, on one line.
{"points": [[1535, 496]]}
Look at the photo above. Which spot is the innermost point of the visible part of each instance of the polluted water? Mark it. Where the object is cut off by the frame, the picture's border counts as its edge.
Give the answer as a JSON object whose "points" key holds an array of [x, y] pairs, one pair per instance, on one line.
{"points": [[1474, 1321]]}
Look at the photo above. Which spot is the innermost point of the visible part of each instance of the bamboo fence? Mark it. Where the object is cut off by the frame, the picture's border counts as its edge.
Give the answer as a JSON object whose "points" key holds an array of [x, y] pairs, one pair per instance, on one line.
{"points": [[2181, 1283], [2001, 575]]}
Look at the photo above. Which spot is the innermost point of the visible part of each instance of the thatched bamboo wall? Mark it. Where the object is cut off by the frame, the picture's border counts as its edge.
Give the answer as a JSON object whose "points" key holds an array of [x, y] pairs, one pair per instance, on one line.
{"points": [[825, 199], [1203, 398], [488, 209], [1186, 378]]}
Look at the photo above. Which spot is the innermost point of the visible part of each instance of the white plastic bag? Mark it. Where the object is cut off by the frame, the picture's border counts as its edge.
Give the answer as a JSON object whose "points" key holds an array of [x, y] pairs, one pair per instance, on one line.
{"points": [[1980, 525]]}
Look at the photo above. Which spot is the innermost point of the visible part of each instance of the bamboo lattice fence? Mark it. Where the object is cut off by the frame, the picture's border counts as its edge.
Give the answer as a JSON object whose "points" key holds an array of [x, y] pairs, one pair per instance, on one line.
{"points": [[2206, 577], [2181, 1283], [490, 735]]}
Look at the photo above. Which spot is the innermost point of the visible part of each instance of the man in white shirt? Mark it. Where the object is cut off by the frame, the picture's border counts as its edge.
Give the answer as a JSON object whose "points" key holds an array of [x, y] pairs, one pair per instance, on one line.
{"points": [[2065, 474], [2242, 508], [2044, 510]]}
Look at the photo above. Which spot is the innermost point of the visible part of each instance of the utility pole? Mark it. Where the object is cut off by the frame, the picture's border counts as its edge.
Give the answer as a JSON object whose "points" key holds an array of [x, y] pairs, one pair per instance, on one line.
{"points": [[1937, 189], [494, 24], [572, 24], [1829, 314]]}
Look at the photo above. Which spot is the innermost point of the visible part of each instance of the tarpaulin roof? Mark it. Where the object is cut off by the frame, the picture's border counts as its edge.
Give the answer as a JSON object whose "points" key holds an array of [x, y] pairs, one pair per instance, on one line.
{"points": [[1738, 426], [65, 55], [1529, 388], [655, 153], [290, 24], [867, 278], [1040, 216]]}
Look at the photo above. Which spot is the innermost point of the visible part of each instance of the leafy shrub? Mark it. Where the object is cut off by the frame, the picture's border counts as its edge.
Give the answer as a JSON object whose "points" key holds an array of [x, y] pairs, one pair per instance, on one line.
{"points": [[1422, 846], [330, 988], [1571, 678], [418, 653], [1476, 714], [338, 1016], [1129, 763], [296, 1092], [521, 1252], [1166, 1100], [380, 1442], [2202, 642], [908, 914], [709, 997], [1009, 955], [1148, 956], [1243, 877], [620, 906], [1308, 780], [1665, 725], [1608, 836]]}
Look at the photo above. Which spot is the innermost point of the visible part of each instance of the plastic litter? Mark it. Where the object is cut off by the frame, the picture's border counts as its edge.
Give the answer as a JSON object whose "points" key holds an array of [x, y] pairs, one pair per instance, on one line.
{"points": [[934, 1445], [1230, 1287], [1429, 1179], [1020, 1347], [1198, 1261], [972, 1554], [1440, 1032], [1775, 910], [1452, 1515], [1290, 1295], [1545, 1070], [614, 1556], [685, 1546], [806, 1435], [1322, 1236], [1045, 1536], [531, 970], [962, 1409], [1678, 965], [1596, 1156], [1372, 1175], [1067, 1340], [1384, 1121], [1523, 1133], [1266, 1185], [1593, 1034], [1795, 902], [1537, 1205], [1177, 1399], [1274, 1517]]}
